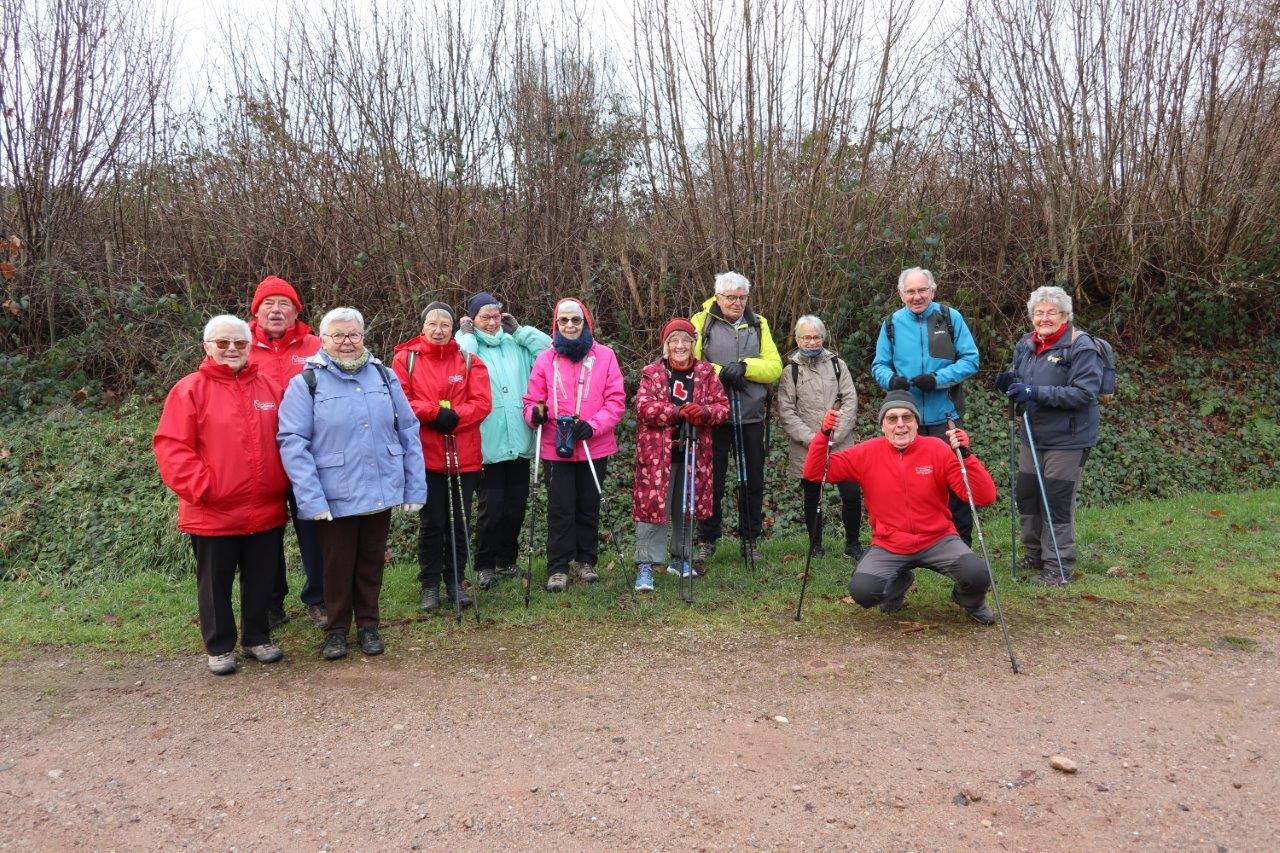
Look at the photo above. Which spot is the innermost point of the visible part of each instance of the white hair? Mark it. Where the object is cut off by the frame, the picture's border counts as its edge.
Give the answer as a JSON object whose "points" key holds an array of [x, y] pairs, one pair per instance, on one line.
{"points": [[907, 273], [812, 320], [727, 281], [345, 314], [1055, 296], [221, 320]]}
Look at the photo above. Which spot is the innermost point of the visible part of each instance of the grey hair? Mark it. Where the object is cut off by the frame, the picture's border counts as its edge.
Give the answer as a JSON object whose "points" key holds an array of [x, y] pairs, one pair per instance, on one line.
{"points": [[812, 320], [1055, 296], [345, 314], [727, 281], [907, 273], [225, 320]]}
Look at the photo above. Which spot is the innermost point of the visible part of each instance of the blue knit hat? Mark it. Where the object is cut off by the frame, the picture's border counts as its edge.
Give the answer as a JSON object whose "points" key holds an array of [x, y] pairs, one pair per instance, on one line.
{"points": [[480, 300]]}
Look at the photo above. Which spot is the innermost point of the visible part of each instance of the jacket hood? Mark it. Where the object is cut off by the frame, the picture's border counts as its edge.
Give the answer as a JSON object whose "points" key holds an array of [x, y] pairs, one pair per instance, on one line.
{"points": [[424, 347], [586, 315], [222, 373], [299, 331]]}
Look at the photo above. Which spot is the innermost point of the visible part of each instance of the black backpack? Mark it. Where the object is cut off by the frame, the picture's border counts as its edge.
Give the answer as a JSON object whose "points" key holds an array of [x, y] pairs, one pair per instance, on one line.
{"points": [[941, 320], [1107, 353]]}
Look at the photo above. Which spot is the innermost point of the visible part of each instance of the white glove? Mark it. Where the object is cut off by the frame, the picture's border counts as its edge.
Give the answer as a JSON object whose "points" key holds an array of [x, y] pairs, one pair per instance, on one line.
{"points": [[324, 516], [411, 507]]}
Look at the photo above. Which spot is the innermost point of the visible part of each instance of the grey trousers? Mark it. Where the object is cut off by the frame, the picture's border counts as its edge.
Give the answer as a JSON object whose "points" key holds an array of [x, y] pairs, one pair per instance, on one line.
{"points": [[654, 541], [1061, 470], [881, 573]]}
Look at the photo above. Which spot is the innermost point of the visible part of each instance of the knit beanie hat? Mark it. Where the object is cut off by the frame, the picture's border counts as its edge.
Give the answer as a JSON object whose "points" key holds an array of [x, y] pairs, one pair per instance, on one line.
{"points": [[274, 285], [480, 300], [439, 306], [679, 324], [898, 400]]}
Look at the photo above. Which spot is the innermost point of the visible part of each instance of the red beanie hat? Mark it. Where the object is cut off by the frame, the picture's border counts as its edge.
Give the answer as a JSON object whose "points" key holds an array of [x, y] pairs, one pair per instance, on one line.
{"points": [[586, 315], [679, 324], [274, 285]]}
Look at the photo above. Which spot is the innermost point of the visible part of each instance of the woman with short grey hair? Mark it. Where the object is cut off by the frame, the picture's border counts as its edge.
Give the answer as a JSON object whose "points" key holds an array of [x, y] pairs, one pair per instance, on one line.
{"points": [[1055, 379], [812, 382]]}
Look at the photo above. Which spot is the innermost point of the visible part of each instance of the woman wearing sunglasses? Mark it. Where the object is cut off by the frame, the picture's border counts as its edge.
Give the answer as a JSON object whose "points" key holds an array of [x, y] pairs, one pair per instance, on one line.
{"points": [[215, 448], [576, 395]]}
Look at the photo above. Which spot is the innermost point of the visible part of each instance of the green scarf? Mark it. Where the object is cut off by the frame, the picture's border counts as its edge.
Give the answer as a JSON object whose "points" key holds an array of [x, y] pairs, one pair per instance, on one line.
{"points": [[352, 365]]}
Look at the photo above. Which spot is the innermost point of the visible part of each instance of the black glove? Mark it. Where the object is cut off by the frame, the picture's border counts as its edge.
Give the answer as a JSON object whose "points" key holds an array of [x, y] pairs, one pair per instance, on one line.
{"points": [[1003, 380], [539, 416], [735, 374], [446, 421], [925, 382], [509, 324], [899, 383], [582, 430]]}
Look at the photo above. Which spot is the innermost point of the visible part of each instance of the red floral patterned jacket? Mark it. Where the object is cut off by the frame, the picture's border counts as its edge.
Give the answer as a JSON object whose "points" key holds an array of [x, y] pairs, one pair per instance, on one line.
{"points": [[656, 415]]}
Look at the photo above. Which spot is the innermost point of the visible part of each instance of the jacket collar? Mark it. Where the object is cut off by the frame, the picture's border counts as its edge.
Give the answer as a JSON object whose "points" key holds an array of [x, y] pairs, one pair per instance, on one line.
{"points": [[291, 336], [222, 373]]}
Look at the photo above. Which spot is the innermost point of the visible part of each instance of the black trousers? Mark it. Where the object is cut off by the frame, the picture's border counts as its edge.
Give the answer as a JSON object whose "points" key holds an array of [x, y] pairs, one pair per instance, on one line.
{"points": [[504, 494], [217, 558], [312, 565], [961, 517], [354, 548], [434, 563], [850, 508], [573, 513], [710, 528]]}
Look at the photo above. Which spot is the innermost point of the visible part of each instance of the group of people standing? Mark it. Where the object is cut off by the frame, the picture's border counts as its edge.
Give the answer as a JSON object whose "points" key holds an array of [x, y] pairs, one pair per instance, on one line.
{"points": [[280, 423]]}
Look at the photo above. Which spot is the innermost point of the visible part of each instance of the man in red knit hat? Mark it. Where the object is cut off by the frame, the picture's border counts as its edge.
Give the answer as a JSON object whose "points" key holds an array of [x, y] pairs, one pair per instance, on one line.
{"points": [[281, 346]]}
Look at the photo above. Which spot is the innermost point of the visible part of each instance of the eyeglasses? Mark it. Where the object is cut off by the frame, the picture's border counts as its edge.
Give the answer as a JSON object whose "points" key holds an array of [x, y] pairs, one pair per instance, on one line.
{"points": [[734, 297], [568, 321], [811, 338], [904, 418], [1046, 315], [354, 336], [223, 343]]}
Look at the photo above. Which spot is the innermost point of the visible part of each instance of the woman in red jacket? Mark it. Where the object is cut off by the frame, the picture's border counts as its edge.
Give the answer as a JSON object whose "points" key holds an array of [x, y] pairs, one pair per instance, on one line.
{"points": [[678, 396], [449, 392], [216, 449]]}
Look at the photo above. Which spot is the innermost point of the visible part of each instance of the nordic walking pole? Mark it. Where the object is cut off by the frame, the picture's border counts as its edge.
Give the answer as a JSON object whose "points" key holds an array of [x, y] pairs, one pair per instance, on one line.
{"points": [[1013, 487], [453, 536], [817, 516], [533, 495], [1044, 496], [687, 512], [740, 457], [986, 559], [592, 465], [466, 532]]}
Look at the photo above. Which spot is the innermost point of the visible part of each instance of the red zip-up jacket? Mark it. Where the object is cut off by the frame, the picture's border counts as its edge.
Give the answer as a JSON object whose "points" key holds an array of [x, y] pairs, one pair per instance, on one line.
{"points": [[285, 357], [216, 449], [440, 373], [905, 490]]}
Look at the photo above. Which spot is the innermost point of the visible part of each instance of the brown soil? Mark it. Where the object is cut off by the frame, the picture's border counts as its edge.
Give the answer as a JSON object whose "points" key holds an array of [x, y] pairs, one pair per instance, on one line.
{"points": [[891, 741]]}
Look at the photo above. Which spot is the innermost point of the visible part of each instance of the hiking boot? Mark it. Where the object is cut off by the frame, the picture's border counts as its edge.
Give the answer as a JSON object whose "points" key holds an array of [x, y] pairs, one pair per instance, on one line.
{"points": [[586, 573], [370, 641], [488, 579], [277, 617], [703, 552], [318, 615], [753, 551], [981, 614], [896, 594], [509, 572], [1028, 565], [1049, 577], [335, 646], [557, 582], [854, 550], [265, 653], [817, 550], [222, 664], [462, 598], [644, 577], [430, 599]]}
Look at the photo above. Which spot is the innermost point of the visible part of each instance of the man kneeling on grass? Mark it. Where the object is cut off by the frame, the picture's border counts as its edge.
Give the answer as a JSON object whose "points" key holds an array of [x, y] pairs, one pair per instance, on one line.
{"points": [[906, 479]]}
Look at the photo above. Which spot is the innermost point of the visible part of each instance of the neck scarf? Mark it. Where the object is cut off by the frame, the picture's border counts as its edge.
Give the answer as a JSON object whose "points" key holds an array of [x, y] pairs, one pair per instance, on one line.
{"points": [[575, 350], [351, 365]]}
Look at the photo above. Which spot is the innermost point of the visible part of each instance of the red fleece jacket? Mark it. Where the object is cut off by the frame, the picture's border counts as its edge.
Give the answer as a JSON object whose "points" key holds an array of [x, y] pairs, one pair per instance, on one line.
{"points": [[905, 491]]}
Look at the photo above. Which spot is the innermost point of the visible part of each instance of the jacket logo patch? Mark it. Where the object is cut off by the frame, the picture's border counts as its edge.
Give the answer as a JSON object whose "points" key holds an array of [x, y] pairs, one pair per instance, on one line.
{"points": [[299, 359], [924, 469], [679, 391], [263, 405], [1054, 359], [457, 377], [939, 331]]}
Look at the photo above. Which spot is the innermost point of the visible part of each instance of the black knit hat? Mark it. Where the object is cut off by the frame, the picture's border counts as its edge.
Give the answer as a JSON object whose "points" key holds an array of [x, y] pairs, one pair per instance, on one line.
{"points": [[898, 400], [439, 306]]}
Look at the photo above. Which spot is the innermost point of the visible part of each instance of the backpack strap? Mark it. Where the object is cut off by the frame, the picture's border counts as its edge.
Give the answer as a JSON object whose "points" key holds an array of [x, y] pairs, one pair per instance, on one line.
{"points": [[409, 363], [309, 377], [386, 380]]}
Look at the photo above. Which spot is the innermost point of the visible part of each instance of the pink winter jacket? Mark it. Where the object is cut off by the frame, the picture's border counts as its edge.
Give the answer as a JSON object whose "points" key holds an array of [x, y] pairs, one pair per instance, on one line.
{"points": [[603, 399]]}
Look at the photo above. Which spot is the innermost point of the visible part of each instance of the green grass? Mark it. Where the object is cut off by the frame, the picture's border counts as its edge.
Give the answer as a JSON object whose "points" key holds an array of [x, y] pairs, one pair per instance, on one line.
{"points": [[1200, 568]]}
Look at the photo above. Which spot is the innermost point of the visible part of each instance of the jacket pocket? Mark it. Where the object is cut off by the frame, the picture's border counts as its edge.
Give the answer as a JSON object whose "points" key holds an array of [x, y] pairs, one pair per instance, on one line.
{"points": [[331, 468], [395, 471]]}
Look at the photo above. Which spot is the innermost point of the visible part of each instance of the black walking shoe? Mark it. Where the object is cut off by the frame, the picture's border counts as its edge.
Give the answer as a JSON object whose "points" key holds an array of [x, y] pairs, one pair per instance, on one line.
{"points": [[488, 579], [335, 646], [896, 595], [981, 614], [753, 551], [509, 572], [816, 550], [430, 599], [370, 641], [1028, 565], [703, 553], [1050, 577], [854, 550], [277, 617], [318, 615], [462, 597]]}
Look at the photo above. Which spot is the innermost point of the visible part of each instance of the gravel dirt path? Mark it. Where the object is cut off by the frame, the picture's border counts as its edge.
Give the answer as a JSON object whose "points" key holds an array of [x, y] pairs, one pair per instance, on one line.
{"points": [[888, 739]]}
